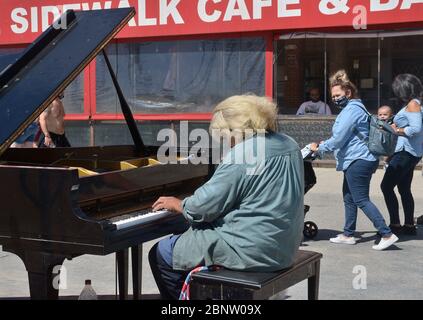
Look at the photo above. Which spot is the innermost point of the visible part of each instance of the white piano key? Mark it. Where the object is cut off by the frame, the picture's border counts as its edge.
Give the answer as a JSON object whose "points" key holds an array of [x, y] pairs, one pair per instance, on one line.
{"points": [[142, 218]]}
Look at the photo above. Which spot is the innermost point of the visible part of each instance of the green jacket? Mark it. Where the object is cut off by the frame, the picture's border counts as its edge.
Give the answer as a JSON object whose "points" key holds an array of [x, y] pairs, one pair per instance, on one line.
{"points": [[248, 216]]}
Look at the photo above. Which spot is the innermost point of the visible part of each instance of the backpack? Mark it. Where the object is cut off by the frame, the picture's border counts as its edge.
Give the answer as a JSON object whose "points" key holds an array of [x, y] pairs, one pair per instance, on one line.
{"points": [[382, 139]]}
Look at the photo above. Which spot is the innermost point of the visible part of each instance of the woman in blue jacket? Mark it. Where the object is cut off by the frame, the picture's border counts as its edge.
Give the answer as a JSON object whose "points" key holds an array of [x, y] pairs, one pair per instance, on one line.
{"points": [[355, 160], [408, 152]]}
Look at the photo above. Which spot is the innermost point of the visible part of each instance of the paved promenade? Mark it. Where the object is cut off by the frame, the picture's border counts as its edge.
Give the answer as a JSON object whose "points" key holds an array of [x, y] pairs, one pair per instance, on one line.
{"points": [[393, 274]]}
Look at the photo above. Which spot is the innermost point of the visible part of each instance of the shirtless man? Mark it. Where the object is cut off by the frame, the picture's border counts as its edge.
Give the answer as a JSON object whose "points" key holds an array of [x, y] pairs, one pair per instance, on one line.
{"points": [[52, 124]]}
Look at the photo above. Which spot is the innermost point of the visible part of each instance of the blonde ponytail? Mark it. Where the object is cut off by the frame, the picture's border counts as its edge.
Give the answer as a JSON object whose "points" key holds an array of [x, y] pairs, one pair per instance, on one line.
{"points": [[340, 78]]}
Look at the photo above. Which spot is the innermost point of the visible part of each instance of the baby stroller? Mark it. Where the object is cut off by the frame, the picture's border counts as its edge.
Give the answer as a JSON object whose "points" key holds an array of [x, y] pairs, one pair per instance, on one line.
{"points": [[310, 228]]}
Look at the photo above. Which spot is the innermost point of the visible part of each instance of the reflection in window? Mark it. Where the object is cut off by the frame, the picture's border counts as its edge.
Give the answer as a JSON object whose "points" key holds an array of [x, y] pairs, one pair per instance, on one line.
{"points": [[372, 62], [181, 76], [399, 55], [74, 96]]}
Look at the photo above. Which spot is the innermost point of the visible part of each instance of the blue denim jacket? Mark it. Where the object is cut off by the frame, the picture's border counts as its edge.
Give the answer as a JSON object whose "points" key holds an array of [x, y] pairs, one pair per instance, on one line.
{"points": [[345, 143], [412, 142]]}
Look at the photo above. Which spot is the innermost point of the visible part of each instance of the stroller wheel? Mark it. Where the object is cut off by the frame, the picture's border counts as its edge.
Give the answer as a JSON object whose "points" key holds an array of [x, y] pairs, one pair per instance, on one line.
{"points": [[310, 229]]}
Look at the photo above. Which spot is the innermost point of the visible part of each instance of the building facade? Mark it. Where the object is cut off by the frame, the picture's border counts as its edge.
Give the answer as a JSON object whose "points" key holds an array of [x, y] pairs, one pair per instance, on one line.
{"points": [[177, 58]]}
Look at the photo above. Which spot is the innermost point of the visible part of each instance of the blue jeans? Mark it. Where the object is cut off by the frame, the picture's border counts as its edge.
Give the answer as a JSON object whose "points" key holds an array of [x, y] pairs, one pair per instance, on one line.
{"points": [[29, 134], [168, 280], [356, 195], [400, 173]]}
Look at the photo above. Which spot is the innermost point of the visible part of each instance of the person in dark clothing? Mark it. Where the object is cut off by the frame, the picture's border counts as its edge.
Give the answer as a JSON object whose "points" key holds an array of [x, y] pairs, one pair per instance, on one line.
{"points": [[408, 152]]}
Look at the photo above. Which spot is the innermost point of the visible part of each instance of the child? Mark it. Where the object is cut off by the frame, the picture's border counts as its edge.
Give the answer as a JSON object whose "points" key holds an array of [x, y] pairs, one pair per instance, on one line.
{"points": [[385, 113]]}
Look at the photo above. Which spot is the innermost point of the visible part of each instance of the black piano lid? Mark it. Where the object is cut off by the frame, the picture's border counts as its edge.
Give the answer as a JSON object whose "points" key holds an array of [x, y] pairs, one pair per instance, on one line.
{"points": [[6, 60], [50, 64]]}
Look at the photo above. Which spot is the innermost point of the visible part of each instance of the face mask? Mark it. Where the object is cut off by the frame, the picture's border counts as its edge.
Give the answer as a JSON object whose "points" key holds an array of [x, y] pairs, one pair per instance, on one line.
{"points": [[341, 102]]}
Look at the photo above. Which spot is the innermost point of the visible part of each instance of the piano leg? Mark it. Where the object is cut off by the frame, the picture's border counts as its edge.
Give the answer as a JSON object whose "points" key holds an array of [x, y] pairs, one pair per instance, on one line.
{"points": [[136, 252], [43, 284], [122, 262]]}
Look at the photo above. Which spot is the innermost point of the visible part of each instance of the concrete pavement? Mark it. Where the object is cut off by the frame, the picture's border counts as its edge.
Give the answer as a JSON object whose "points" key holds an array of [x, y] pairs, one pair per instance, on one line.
{"points": [[391, 274]]}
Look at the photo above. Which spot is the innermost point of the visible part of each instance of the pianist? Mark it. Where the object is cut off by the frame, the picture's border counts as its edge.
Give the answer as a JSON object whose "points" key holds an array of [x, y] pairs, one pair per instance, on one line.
{"points": [[241, 221]]}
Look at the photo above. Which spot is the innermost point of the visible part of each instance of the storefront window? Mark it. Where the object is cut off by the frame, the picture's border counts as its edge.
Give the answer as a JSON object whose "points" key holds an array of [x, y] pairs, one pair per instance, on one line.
{"points": [[399, 55], [359, 57], [181, 76], [74, 96], [371, 60], [300, 69]]}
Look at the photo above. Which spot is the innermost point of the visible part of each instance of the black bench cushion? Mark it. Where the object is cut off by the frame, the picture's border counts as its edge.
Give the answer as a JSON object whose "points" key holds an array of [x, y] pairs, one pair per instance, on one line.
{"points": [[254, 280]]}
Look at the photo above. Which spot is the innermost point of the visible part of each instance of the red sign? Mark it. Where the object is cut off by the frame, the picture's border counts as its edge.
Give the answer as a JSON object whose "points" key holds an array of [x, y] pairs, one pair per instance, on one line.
{"points": [[22, 20]]}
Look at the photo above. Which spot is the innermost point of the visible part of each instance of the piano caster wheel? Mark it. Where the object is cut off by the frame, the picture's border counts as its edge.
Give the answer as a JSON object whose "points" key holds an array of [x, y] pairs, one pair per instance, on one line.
{"points": [[310, 230]]}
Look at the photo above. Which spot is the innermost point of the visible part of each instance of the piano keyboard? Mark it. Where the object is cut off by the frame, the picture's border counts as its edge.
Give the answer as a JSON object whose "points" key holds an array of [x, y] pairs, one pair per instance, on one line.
{"points": [[136, 218]]}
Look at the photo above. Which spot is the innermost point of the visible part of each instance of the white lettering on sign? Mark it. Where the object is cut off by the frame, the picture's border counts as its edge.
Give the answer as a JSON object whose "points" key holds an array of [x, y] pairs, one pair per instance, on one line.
{"points": [[96, 6], [331, 7], [406, 4], [236, 8], [285, 11], [167, 12], [202, 11], [387, 5], [21, 23], [377, 5], [142, 15], [125, 4], [72, 6], [34, 20], [169, 9], [258, 6], [46, 12]]}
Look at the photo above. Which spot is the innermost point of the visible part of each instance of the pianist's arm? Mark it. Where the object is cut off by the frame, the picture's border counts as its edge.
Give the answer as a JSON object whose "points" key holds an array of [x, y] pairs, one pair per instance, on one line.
{"points": [[218, 196]]}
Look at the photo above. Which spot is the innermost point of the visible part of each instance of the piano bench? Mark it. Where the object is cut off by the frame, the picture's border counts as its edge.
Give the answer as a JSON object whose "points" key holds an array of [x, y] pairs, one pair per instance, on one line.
{"points": [[225, 284]]}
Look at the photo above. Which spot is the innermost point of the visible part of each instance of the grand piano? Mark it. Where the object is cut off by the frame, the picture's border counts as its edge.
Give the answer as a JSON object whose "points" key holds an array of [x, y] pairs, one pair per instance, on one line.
{"points": [[61, 203]]}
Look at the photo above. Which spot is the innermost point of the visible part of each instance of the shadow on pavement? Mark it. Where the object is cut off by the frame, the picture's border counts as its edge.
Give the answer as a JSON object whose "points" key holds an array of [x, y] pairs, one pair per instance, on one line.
{"points": [[363, 236]]}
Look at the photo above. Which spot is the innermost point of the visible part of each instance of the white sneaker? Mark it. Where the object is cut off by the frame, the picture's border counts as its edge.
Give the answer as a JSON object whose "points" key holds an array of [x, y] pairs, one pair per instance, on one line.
{"points": [[340, 238], [385, 243]]}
